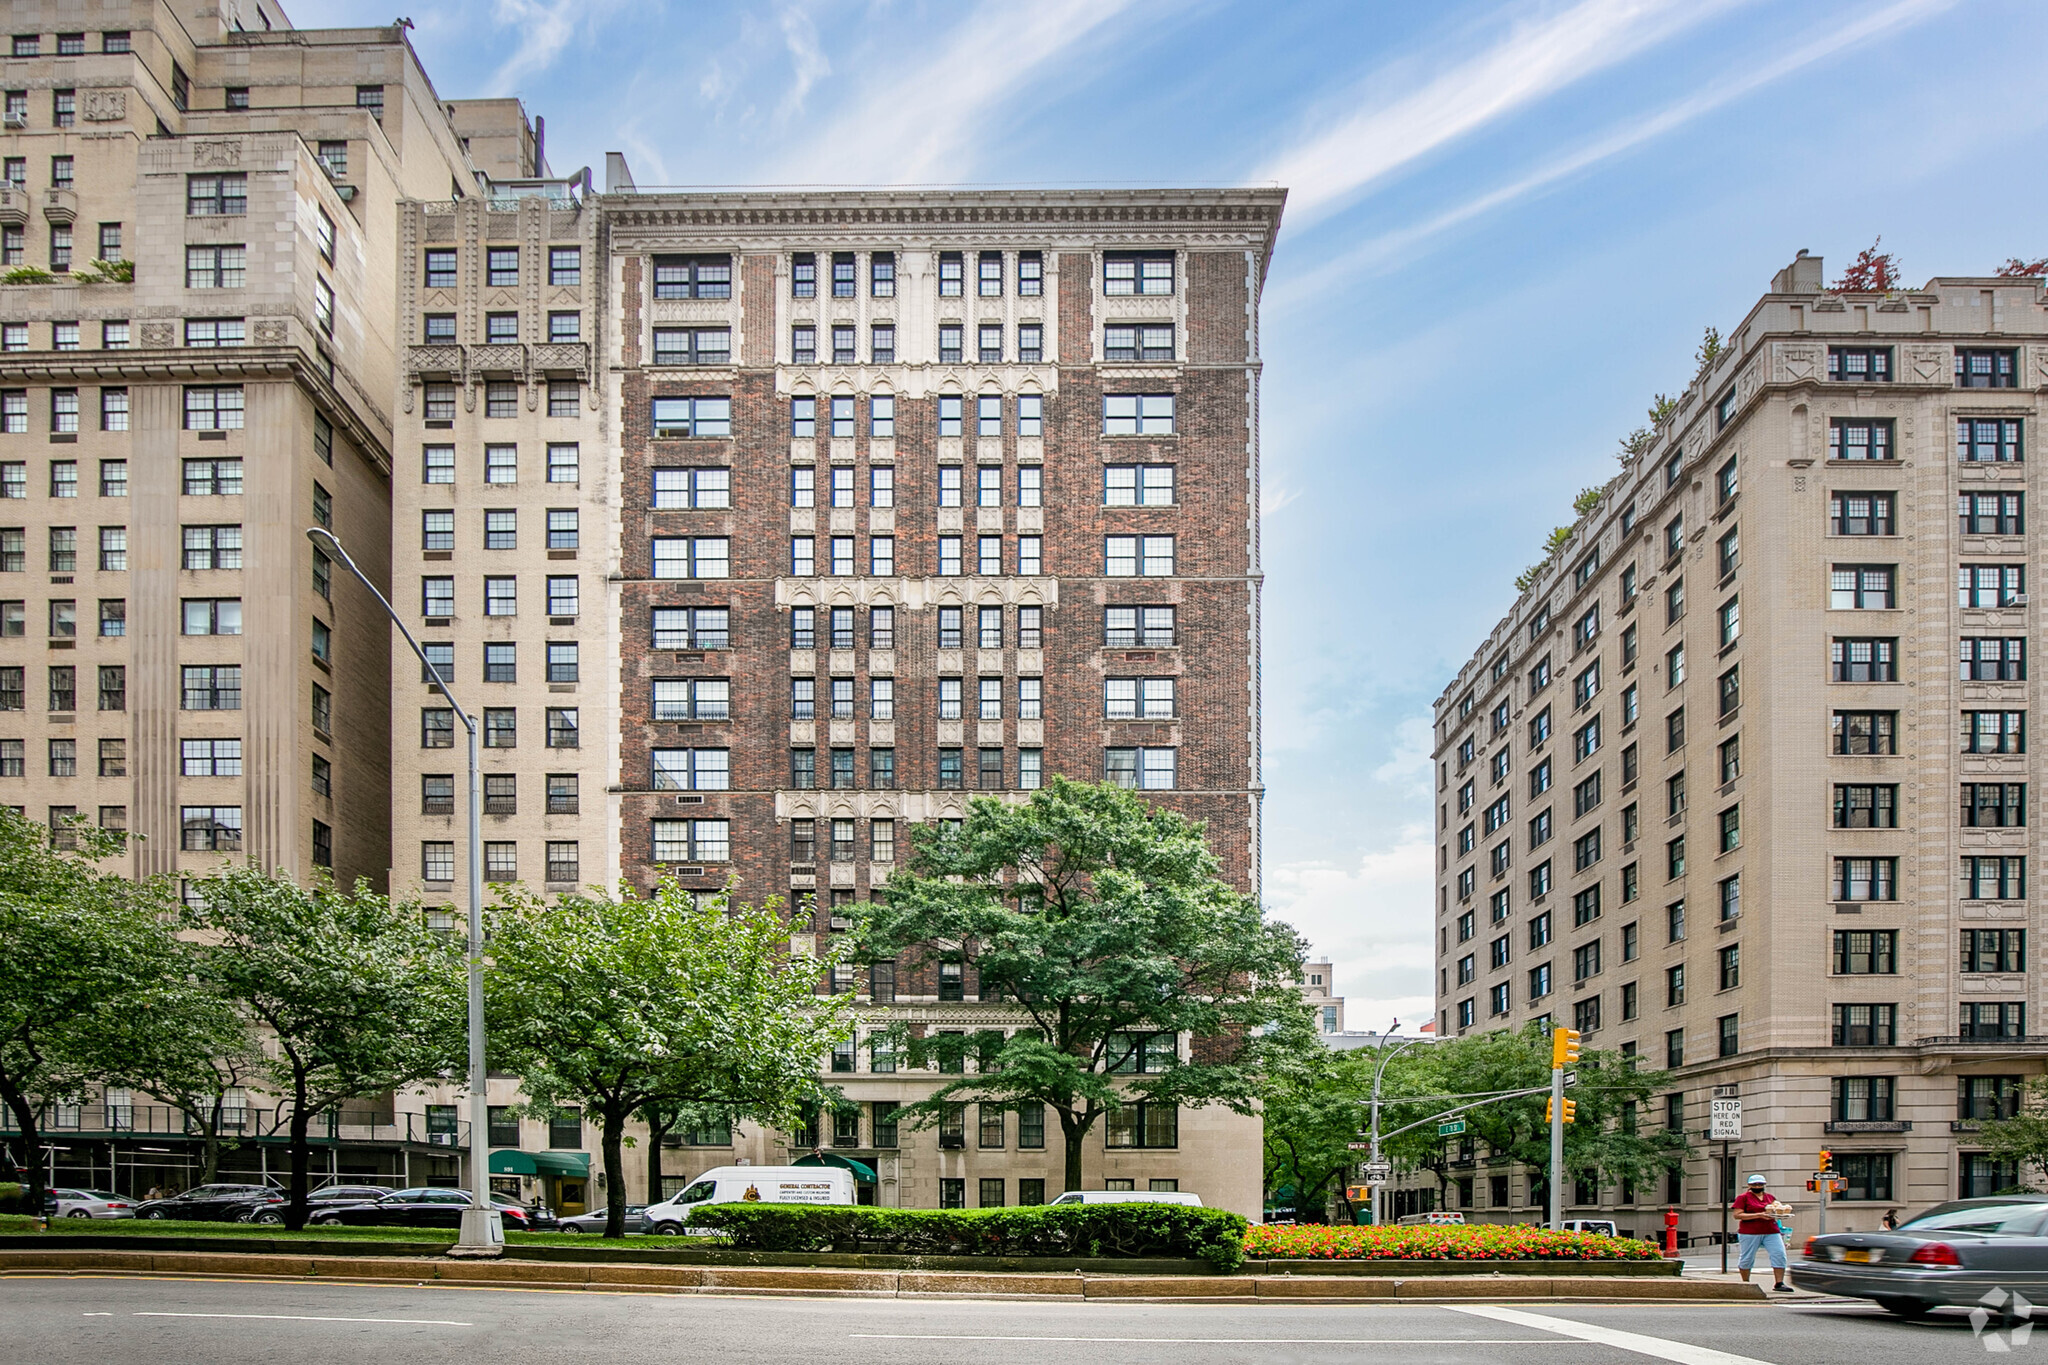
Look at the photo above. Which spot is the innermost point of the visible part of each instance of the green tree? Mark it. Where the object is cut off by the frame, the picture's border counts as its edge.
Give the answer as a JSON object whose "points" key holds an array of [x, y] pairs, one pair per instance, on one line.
{"points": [[1317, 1104], [91, 960], [357, 996], [1607, 1137], [2023, 1138], [198, 1046], [616, 1003], [1103, 919]]}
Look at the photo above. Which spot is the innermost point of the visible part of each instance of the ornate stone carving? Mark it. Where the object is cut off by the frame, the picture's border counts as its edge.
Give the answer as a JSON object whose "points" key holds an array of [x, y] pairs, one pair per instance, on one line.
{"points": [[269, 331], [1798, 362], [1926, 363], [216, 153], [103, 106], [159, 336]]}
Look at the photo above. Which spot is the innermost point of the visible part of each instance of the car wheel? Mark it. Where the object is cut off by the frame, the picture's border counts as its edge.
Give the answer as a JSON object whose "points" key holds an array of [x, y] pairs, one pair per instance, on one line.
{"points": [[568, 1227], [1906, 1308], [668, 1229], [79, 1213], [152, 1213], [269, 1218]]}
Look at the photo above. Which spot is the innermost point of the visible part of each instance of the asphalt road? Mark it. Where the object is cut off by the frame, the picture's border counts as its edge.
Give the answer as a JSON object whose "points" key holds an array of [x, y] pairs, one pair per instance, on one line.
{"points": [[54, 1319]]}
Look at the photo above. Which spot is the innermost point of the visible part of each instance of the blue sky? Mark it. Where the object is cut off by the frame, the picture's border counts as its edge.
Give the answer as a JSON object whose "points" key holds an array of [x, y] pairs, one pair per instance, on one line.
{"points": [[1509, 222]]}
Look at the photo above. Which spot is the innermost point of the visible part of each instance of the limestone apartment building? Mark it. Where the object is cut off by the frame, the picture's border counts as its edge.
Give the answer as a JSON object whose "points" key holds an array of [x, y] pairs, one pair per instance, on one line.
{"points": [[912, 497], [175, 657], [1741, 785]]}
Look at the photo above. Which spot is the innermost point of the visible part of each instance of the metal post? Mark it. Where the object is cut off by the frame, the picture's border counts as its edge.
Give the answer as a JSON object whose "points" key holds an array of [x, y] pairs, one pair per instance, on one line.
{"points": [[483, 1227], [1824, 1185], [1556, 1147], [1722, 1193]]}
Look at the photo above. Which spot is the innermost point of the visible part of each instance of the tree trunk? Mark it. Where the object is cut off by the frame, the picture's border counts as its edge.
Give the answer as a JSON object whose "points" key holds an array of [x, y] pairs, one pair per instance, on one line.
{"points": [[614, 1171], [31, 1145], [1073, 1175], [301, 1158], [654, 1139], [209, 1136]]}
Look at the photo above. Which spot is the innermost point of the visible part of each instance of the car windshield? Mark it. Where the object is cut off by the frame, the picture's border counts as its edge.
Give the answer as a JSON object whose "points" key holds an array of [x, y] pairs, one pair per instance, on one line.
{"points": [[2010, 1219], [697, 1193]]}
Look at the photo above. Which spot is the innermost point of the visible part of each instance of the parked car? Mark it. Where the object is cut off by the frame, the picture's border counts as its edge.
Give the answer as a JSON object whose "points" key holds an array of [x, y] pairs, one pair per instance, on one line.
{"points": [[1436, 1218], [214, 1203], [1129, 1197], [1953, 1254], [594, 1222], [1603, 1226], [438, 1207], [72, 1202], [732, 1184], [329, 1196]]}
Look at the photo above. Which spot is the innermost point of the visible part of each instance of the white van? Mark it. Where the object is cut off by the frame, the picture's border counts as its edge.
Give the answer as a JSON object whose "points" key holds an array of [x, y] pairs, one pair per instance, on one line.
{"points": [[748, 1184], [1129, 1197], [1435, 1218]]}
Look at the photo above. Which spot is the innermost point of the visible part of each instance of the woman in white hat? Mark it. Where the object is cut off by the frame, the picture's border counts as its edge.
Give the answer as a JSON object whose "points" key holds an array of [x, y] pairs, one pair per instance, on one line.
{"points": [[1758, 1211]]}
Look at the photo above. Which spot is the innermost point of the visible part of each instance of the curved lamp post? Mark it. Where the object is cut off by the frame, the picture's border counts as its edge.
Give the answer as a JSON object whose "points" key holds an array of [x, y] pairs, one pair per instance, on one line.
{"points": [[483, 1227]]}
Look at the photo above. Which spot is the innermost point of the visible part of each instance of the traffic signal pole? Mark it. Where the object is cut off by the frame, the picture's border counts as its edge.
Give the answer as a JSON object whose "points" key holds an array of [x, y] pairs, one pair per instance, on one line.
{"points": [[1556, 1147]]}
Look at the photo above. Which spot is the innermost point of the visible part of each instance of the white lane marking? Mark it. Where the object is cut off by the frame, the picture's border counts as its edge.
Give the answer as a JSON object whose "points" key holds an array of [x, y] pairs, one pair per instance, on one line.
{"points": [[96, 1315], [305, 1317], [1235, 1341], [1683, 1353]]}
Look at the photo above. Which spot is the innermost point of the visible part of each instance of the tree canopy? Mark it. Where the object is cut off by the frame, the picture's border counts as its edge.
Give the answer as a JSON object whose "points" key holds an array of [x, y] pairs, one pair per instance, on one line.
{"points": [[1102, 919], [625, 1003], [360, 998]]}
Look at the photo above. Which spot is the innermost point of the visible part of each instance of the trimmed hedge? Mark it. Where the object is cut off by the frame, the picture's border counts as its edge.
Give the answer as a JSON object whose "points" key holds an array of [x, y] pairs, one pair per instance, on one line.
{"points": [[1107, 1230]]}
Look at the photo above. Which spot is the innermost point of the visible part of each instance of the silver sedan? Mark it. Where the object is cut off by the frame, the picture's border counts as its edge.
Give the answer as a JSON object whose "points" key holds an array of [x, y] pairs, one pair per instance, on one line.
{"points": [[73, 1202], [1954, 1254]]}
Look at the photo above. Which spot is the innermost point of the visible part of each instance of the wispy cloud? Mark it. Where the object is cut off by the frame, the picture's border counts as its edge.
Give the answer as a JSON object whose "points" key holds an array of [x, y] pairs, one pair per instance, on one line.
{"points": [[919, 123], [1536, 59], [546, 28], [1372, 919], [1392, 247], [807, 61]]}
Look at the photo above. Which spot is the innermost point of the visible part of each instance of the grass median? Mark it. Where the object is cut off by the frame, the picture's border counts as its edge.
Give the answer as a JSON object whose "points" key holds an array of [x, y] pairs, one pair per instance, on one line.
{"points": [[16, 1224]]}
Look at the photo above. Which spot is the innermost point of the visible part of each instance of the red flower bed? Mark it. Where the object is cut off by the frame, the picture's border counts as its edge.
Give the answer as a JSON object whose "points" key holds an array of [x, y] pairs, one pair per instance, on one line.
{"points": [[1471, 1242]]}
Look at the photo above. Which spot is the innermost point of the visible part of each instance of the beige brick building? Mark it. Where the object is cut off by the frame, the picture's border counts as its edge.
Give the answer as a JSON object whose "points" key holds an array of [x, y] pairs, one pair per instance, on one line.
{"points": [[1741, 783]]}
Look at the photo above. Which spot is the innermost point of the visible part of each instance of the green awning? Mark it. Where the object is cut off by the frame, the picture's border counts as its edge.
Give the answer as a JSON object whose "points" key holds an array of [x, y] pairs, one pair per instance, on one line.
{"points": [[511, 1161], [862, 1172]]}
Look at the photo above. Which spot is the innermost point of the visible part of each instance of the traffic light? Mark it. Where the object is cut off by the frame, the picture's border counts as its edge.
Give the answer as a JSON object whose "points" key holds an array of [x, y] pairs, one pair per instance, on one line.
{"points": [[1571, 1109], [1564, 1048], [1827, 1160]]}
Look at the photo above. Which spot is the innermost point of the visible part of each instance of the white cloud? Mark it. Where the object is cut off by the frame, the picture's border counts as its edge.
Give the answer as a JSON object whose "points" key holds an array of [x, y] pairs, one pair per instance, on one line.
{"points": [[1272, 498], [807, 61], [1372, 920], [1392, 247], [1535, 60], [918, 124], [1409, 766], [546, 29]]}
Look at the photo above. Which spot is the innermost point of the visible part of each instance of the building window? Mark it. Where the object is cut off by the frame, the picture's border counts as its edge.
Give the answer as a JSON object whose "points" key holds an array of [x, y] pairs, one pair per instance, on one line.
{"points": [[1988, 440], [1866, 952], [693, 277], [693, 557], [1860, 364], [1994, 1020], [679, 841], [1864, 660], [1992, 732], [1994, 804], [216, 195], [1986, 369], [1863, 1099], [1138, 342], [1994, 878], [214, 409], [1865, 1025], [1990, 585], [1860, 439], [1147, 769], [1990, 514], [211, 829], [1993, 659], [694, 346], [1861, 514], [684, 418], [1994, 950]]}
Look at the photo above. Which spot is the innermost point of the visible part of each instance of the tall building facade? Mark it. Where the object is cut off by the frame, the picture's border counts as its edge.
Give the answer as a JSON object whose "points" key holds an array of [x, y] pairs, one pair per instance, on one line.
{"points": [[754, 529], [1741, 784]]}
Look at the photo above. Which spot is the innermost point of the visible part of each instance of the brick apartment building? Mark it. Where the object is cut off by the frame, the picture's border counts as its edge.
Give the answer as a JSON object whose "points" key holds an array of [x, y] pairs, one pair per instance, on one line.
{"points": [[755, 528], [1740, 785]]}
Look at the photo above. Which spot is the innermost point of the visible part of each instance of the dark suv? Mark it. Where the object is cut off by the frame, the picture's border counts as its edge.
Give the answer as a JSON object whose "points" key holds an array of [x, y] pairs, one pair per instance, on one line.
{"points": [[216, 1204]]}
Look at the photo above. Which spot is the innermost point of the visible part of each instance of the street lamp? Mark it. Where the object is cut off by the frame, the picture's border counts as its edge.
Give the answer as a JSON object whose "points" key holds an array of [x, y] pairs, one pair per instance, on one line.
{"points": [[483, 1228], [1374, 1154]]}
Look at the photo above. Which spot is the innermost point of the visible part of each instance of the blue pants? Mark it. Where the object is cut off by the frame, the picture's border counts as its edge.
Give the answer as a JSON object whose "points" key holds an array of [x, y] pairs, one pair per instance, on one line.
{"points": [[1773, 1244]]}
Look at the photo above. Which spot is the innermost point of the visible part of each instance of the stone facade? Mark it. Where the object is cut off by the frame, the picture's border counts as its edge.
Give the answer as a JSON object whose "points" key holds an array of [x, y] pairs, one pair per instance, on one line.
{"points": [[1659, 817]]}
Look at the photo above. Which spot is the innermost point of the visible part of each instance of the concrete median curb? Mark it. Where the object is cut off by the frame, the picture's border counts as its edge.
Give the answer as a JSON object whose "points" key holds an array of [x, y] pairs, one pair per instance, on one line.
{"points": [[869, 1283]]}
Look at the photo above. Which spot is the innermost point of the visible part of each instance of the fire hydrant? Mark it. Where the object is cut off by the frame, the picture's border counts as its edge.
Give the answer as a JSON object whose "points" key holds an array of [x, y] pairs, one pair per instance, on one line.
{"points": [[1671, 1232]]}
